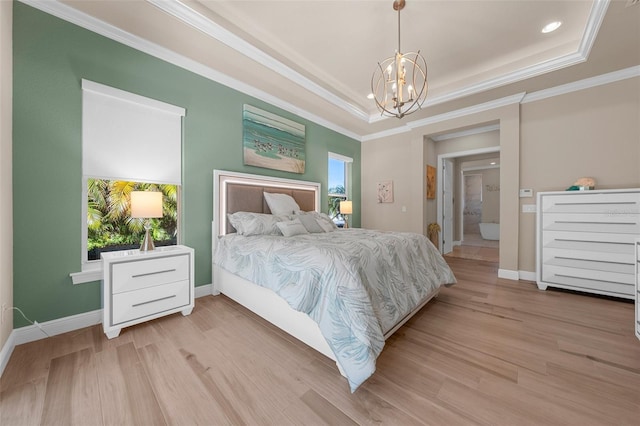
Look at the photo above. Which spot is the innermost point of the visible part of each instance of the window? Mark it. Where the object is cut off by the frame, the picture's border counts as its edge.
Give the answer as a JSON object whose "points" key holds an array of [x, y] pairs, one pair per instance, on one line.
{"points": [[339, 179], [129, 142], [109, 225]]}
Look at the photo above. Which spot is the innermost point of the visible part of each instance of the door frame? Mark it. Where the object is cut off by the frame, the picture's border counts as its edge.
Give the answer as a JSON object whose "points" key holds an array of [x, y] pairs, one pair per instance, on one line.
{"points": [[440, 188]]}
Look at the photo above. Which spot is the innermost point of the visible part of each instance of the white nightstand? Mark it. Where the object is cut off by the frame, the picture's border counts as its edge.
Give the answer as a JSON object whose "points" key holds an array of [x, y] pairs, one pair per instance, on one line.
{"points": [[140, 286]]}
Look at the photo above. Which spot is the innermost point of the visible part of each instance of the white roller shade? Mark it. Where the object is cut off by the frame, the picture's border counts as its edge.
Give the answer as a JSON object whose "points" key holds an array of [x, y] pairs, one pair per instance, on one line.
{"points": [[130, 137]]}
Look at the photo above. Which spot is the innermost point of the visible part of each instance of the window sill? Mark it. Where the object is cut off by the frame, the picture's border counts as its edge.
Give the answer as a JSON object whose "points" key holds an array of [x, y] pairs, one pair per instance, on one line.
{"points": [[87, 276]]}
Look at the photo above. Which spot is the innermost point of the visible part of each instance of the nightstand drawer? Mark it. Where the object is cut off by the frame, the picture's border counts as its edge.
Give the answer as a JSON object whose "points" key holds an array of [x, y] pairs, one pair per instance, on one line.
{"points": [[141, 303], [139, 274]]}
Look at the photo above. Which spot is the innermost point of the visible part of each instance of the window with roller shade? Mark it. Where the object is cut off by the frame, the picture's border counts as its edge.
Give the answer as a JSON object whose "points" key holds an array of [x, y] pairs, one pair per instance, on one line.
{"points": [[129, 142]]}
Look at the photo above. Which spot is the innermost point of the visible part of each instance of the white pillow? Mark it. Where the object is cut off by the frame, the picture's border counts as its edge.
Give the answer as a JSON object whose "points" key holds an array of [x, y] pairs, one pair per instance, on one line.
{"points": [[310, 223], [247, 223], [291, 228], [325, 226], [324, 218], [280, 204]]}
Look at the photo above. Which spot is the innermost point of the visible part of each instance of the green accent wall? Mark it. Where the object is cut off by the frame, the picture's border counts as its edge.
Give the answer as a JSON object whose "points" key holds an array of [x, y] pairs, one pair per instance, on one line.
{"points": [[51, 57]]}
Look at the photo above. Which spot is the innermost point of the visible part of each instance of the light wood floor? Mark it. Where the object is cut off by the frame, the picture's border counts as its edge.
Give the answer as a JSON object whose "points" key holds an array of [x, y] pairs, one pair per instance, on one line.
{"points": [[486, 351]]}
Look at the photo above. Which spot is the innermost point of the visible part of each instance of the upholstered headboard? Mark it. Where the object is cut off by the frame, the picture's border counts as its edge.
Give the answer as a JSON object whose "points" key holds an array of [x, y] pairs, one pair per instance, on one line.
{"points": [[234, 192]]}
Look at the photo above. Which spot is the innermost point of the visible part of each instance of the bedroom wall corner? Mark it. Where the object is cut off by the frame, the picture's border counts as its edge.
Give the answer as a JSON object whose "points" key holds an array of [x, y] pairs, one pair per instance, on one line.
{"points": [[6, 191]]}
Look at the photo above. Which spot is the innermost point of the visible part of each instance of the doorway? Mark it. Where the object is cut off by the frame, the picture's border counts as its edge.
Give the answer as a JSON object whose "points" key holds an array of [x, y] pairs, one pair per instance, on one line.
{"points": [[470, 227]]}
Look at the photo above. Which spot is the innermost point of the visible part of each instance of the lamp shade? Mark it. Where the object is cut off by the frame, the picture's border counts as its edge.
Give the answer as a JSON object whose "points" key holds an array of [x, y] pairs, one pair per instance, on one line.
{"points": [[346, 207], [146, 204]]}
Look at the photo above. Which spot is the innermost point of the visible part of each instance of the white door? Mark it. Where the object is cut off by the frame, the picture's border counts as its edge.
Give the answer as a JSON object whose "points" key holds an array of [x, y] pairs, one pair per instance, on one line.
{"points": [[447, 206]]}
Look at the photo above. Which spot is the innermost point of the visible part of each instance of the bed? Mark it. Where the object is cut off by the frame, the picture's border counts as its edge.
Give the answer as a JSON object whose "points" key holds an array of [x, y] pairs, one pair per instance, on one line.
{"points": [[331, 290]]}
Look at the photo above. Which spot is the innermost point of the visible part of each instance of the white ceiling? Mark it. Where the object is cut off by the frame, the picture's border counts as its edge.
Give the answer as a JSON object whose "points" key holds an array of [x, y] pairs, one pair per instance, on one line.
{"points": [[316, 57]]}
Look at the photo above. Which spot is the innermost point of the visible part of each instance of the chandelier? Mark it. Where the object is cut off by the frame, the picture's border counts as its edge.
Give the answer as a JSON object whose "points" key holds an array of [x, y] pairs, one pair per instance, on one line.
{"points": [[399, 83]]}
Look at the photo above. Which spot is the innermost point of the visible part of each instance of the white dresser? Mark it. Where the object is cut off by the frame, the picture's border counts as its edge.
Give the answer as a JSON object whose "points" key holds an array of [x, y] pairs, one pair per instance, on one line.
{"points": [[585, 240], [140, 286]]}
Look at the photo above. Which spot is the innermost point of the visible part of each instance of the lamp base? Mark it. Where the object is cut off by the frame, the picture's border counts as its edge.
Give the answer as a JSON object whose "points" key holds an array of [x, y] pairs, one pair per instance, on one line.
{"points": [[147, 242]]}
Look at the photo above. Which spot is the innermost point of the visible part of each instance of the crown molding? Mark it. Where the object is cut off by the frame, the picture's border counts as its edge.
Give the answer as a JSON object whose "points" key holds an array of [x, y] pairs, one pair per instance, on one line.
{"points": [[69, 14], [474, 109], [385, 133], [586, 83], [470, 132], [200, 22]]}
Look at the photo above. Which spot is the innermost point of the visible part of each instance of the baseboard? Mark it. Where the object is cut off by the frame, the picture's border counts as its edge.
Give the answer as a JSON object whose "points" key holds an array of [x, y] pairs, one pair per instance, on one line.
{"points": [[6, 351], [31, 333], [508, 274], [203, 290], [517, 275], [528, 276], [457, 243]]}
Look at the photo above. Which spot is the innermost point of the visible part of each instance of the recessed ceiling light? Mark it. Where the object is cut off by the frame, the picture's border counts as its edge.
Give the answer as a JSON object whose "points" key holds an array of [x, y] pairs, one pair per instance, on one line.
{"points": [[493, 163], [370, 96], [551, 26]]}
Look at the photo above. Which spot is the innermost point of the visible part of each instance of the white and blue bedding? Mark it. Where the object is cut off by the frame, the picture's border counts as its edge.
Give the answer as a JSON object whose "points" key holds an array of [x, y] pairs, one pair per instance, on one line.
{"points": [[356, 284]]}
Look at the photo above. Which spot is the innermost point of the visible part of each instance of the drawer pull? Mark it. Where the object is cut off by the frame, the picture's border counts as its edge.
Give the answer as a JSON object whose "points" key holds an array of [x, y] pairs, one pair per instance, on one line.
{"points": [[153, 273], [152, 301]]}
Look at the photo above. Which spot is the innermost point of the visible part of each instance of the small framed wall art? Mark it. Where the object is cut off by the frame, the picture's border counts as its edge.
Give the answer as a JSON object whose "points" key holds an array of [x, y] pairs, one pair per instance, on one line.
{"points": [[385, 191]]}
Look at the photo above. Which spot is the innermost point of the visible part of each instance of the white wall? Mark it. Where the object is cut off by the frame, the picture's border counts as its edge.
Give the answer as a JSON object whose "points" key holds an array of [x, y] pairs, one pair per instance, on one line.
{"points": [[593, 132], [544, 145]]}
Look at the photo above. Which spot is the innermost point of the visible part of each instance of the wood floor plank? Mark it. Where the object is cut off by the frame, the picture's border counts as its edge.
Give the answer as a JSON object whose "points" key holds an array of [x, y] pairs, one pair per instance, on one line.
{"points": [[183, 398], [23, 404], [325, 410], [72, 396], [125, 390], [363, 406], [597, 404], [430, 411]]}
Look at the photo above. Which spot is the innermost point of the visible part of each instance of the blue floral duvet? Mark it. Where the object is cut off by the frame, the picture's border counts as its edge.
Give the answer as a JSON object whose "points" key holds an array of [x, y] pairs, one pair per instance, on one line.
{"points": [[356, 284]]}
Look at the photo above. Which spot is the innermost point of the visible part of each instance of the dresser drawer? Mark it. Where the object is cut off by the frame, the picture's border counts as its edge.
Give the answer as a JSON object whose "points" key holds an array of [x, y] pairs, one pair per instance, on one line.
{"points": [[613, 204], [137, 304], [592, 223], [139, 274]]}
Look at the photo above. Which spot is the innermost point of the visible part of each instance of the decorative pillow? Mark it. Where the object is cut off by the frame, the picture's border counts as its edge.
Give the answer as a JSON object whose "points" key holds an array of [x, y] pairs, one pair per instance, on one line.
{"points": [[291, 228], [247, 223], [324, 218], [310, 223], [280, 204], [325, 226]]}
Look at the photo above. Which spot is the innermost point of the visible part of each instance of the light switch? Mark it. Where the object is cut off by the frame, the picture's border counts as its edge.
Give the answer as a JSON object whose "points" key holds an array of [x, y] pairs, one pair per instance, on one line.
{"points": [[404, 209], [526, 193]]}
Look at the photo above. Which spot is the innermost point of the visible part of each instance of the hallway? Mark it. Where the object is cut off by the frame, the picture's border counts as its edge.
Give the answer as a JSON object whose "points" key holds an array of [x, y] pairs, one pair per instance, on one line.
{"points": [[475, 248]]}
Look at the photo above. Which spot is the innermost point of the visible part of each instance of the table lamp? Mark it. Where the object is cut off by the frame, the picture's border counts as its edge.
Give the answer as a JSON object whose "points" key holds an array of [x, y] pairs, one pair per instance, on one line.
{"points": [[146, 205], [346, 208]]}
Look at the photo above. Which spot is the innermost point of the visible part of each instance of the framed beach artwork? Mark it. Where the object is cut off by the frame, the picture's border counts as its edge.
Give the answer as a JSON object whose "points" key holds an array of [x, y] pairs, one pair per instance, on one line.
{"points": [[385, 191], [271, 141]]}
